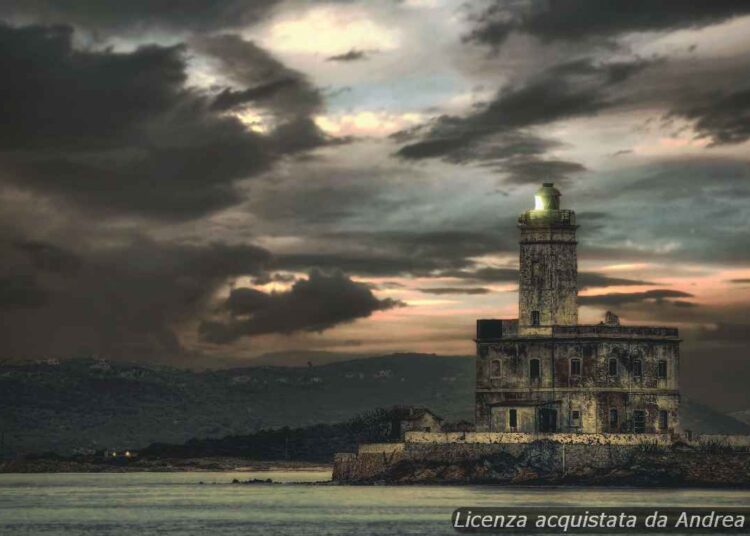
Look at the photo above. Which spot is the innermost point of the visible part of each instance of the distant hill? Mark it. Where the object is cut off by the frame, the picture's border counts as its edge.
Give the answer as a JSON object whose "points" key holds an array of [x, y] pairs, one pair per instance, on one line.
{"points": [[89, 404], [301, 358], [742, 415], [703, 419], [95, 404]]}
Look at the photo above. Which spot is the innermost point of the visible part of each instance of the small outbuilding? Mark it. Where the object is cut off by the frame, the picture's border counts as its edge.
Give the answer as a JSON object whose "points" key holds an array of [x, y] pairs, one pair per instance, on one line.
{"points": [[409, 419]]}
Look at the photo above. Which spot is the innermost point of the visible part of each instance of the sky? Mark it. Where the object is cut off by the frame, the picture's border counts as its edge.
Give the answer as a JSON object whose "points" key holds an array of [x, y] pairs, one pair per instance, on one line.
{"points": [[200, 183]]}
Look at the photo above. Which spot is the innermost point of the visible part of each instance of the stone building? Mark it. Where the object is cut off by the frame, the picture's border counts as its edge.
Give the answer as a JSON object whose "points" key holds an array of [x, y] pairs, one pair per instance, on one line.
{"points": [[411, 419], [545, 372]]}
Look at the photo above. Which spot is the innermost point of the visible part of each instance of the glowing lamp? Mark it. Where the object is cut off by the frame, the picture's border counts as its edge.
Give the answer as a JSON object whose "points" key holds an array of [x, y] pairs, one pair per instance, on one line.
{"points": [[547, 197]]}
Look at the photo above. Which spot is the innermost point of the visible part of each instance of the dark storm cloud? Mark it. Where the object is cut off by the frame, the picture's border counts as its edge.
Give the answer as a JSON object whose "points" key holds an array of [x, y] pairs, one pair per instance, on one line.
{"points": [[497, 134], [577, 20], [651, 296], [314, 304], [593, 279], [123, 301], [533, 170], [352, 55], [121, 131], [357, 263], [139, 15], [488, 275], [724, 119], [455, 290], [510, 275], [397, 252], [271, 84], [229, 98], [740, 281], [512, 108], [62, 99], [690, 88]]}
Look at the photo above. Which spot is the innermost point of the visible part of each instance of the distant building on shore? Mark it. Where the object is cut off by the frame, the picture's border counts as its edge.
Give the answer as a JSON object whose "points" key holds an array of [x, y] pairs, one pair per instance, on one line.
{"points": [[413, 419], [545, 372]]}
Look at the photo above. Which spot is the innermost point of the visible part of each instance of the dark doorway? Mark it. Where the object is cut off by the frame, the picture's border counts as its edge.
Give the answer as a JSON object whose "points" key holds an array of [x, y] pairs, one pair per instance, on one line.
{"points": [[547, 420]]}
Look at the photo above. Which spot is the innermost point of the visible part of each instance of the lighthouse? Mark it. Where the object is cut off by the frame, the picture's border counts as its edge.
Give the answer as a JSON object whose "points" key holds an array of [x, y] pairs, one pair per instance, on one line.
{"points": [[543, 372], [548, 267]]}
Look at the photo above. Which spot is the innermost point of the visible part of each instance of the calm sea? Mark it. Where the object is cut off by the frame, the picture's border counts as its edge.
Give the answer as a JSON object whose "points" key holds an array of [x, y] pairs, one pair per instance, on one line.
{"points": [[176, 503]]}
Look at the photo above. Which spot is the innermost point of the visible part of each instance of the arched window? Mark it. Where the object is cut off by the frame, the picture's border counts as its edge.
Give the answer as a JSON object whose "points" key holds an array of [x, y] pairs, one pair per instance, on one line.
{"points": [[534, 318], [575, 367], [613, 366], [495, 368]]}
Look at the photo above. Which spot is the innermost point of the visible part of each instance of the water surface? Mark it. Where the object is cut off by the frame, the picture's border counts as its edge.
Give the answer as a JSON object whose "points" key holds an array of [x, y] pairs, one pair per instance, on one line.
{"points": [[176, 503]]}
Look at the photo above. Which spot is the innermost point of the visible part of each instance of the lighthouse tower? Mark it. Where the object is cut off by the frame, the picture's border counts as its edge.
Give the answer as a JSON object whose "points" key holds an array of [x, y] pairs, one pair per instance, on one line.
{"points": [[548, 286]]}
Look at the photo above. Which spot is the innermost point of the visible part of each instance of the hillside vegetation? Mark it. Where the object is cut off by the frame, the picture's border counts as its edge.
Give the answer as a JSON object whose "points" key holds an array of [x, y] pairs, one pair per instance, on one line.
{"points": [[80, 405]]}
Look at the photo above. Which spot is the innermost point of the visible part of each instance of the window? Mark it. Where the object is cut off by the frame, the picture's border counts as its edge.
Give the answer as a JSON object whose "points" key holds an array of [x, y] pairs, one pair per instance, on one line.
{"points": [[637, 367], [662, 370], [613, 366], [639, 421], [663, 420], [575, 367], [495, 368], [613, 419], [534, 318], [575, 418], [512, 419], [534, 371]]}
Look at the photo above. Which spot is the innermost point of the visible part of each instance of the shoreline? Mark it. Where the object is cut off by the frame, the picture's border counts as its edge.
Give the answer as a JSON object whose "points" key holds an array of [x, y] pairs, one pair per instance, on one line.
{"points": [[166, 465], [235, 465]]}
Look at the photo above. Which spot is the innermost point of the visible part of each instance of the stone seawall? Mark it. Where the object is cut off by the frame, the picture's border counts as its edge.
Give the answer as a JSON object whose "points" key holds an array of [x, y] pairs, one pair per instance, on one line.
{"points": [[525, 438], [596, 460]]}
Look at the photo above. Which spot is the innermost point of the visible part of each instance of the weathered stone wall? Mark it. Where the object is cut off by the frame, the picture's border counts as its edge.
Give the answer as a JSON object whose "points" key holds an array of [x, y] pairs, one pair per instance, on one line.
{"points": [[522, 438], [389, 448], [552, 458], [547, 457], [548, 276], [344, 467], [503, 376]]}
